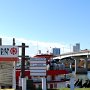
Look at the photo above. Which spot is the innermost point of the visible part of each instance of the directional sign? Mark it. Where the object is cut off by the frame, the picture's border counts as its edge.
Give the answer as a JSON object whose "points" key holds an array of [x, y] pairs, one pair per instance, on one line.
{"points": [[9, 51]]}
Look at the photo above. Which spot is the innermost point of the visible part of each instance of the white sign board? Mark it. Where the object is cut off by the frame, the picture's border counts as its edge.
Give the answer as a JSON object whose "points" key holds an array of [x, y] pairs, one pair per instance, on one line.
{"points": [[38, 66], [38, 74], [9, 51]]}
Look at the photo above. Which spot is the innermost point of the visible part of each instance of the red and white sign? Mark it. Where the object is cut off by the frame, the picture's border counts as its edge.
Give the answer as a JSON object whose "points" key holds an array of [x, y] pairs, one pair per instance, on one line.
{"points": [[9, 51]]}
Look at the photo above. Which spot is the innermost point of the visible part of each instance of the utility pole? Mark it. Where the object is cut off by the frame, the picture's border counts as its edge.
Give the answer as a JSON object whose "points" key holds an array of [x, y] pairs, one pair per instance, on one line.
{"points": [[23, 58], [23, 61]]}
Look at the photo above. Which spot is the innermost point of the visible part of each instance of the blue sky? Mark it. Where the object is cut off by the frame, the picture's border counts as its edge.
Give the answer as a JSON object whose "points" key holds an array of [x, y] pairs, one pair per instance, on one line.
{"points": [[55, 23]]}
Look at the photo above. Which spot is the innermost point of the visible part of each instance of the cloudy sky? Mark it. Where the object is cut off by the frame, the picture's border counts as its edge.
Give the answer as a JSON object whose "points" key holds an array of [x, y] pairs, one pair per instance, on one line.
{"points": [[44, 24], [35, 46]]}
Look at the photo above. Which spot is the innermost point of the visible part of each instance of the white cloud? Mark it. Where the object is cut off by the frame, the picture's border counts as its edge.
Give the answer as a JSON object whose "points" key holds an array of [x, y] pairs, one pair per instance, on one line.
{"points": [[34, 46]]}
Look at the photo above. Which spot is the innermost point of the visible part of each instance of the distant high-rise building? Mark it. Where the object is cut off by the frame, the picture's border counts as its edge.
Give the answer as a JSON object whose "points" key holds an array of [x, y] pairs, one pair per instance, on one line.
{"points": [[56, 51], [39, 51], [76, 48]]}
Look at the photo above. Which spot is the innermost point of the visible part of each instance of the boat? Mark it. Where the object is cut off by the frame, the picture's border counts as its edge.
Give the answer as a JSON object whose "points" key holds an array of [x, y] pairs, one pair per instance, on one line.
{"points": [[55, 71]]}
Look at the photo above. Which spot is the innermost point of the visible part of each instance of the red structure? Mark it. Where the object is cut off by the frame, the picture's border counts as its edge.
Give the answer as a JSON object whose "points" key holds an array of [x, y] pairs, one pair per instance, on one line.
{"points": [[47, 56]]}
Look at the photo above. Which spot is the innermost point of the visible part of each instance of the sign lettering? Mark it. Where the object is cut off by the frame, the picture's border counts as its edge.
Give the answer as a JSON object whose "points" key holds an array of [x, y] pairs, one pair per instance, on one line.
{"points": [[9, 51], [4, 51]]}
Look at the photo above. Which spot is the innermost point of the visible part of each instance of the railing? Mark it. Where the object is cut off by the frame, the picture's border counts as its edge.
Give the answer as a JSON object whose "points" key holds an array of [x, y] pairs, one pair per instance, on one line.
{"points": [[70, 53]]}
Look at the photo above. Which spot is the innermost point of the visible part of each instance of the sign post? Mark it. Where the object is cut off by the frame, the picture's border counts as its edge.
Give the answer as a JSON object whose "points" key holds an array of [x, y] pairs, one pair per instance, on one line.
{"points": [[44, 83], [23, 67], [14, 76], [14, 70]]}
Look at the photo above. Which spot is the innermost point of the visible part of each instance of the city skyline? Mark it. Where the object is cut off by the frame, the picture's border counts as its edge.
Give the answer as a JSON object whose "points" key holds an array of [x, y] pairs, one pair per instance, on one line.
{"points": [[38, 47]]}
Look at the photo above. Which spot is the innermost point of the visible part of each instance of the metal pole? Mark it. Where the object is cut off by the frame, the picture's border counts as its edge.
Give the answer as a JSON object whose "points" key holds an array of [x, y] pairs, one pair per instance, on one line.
{"points": [[23, 68], [72, 83], [23, 61], [75, 66], [44, 83], [0, 41], [87, 60], [14, 42], [14, 70]]}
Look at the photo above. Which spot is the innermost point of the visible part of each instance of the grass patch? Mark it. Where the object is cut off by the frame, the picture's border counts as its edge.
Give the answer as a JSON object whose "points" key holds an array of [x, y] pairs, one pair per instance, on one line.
{"points": [[69, 89], [75, 89]]}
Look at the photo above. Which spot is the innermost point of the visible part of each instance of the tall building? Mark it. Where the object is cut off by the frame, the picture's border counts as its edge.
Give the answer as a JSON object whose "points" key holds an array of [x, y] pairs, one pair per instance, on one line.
{"points": [[76, 48], [56, 51], [39, 51]]}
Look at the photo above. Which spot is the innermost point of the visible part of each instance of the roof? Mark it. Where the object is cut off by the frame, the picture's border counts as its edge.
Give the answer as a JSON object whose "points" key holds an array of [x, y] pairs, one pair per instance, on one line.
{"points": [[47, 56]]}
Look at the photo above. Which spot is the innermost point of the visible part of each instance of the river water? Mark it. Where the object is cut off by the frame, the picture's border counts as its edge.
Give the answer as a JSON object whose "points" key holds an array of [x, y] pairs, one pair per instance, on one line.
{"points": [[77, 76], [82, 76]]}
